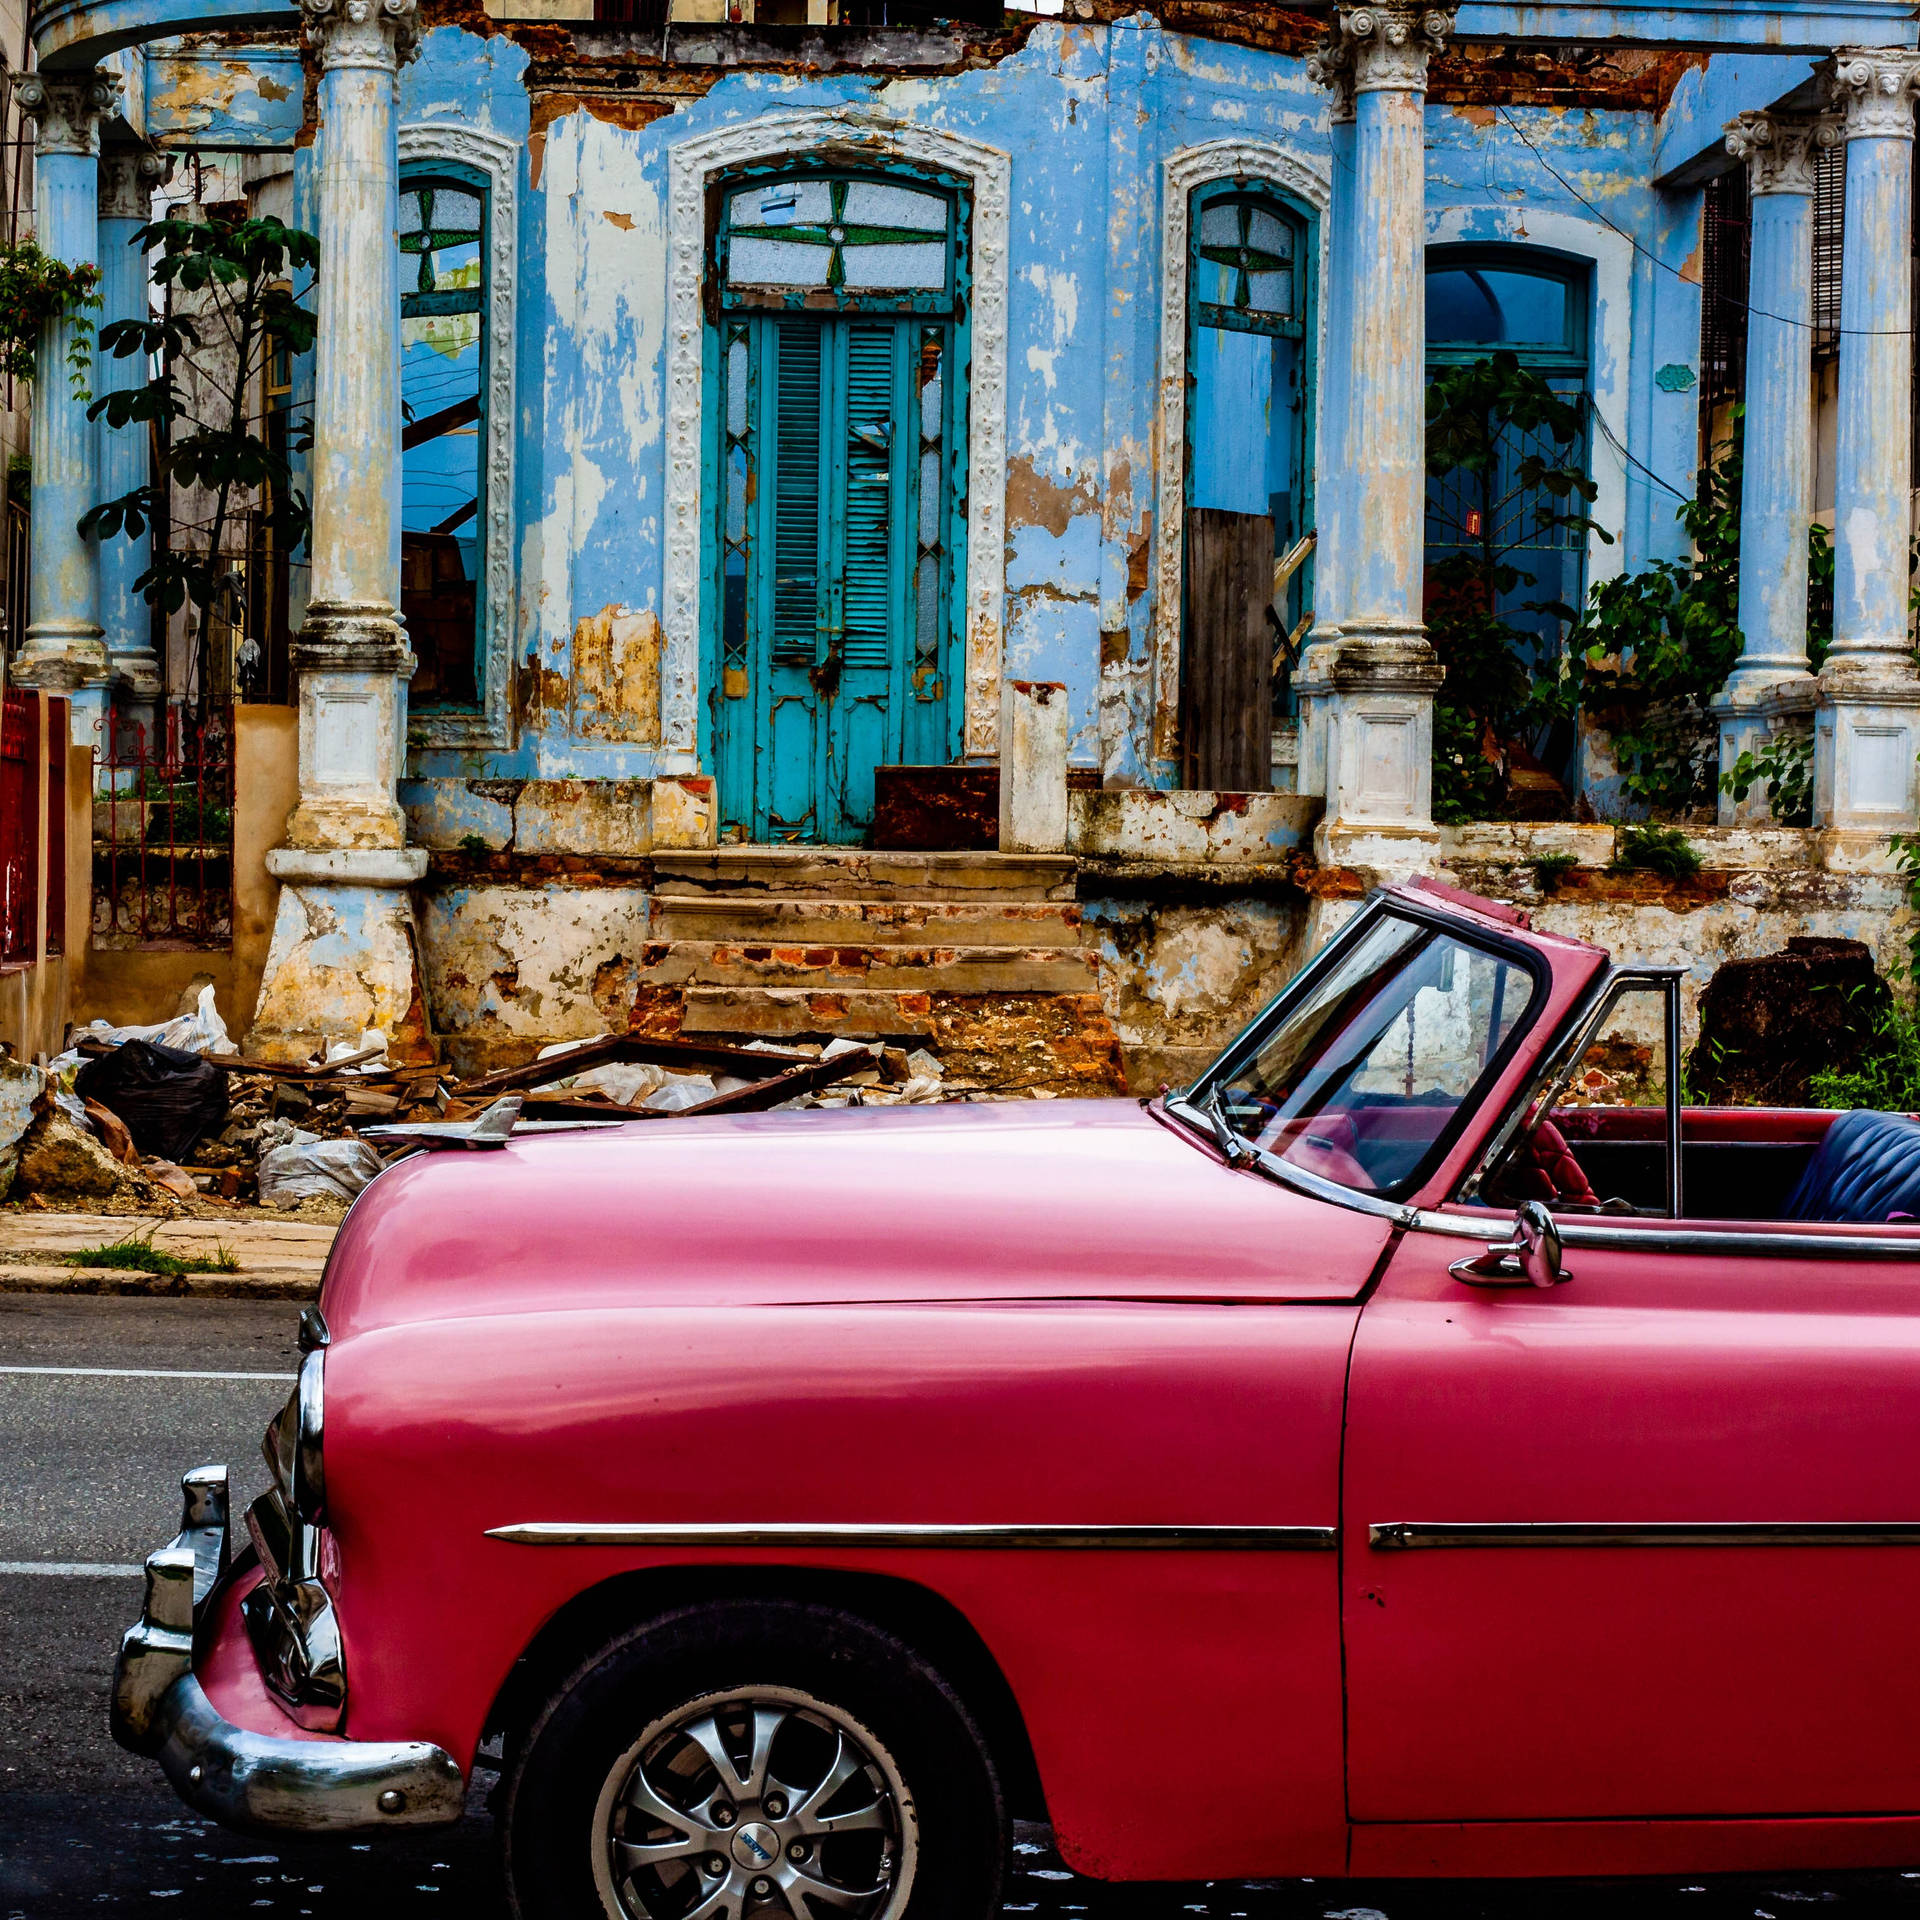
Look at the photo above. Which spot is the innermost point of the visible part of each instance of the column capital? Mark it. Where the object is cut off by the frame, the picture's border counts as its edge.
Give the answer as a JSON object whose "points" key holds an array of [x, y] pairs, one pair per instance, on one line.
{"points": [[1873, 89], [381, 34], [1779, 149], [128, 176], [66, 110], [1379, 49]]}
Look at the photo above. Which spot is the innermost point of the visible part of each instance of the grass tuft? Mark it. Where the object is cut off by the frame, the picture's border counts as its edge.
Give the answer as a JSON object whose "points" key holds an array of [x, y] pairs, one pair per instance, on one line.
{"points": [[132, 1254]]}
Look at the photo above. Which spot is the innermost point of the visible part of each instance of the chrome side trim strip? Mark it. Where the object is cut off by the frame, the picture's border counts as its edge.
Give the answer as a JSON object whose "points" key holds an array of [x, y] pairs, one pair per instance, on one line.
{"points": [[1654, 1235], [555, 1533], [1644, 1533]]}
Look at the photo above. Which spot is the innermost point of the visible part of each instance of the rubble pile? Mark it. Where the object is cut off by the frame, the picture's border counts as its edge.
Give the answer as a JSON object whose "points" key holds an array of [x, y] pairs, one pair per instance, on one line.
{"points": [[173, 1118]]}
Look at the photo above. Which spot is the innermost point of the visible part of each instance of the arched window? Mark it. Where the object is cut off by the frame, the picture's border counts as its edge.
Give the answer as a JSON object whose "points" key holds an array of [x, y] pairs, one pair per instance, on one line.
{"points": [[1249, 492], [444, 348], [1480, 301], [837, 478]]}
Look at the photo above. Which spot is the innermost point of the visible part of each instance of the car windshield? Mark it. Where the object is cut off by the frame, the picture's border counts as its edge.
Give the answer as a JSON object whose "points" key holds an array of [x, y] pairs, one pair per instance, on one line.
{"points": [[1364, 1072]]}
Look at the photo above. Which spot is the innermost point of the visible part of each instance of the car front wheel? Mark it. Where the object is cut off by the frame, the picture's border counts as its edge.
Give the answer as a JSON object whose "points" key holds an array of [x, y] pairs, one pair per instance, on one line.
{"points": [[754, 1760]]}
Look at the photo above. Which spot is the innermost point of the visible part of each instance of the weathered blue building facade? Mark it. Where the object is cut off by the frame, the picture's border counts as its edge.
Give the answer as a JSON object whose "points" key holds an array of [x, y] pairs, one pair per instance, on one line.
{"points": [[711, 417]]}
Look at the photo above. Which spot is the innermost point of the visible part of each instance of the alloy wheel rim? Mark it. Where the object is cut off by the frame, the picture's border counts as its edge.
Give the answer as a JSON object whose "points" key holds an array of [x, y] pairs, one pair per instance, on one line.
{"points": [[761, 1803]]}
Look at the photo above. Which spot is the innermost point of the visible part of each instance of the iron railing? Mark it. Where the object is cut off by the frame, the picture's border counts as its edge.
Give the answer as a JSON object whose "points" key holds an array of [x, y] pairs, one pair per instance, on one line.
{"points": [[163, 832]]}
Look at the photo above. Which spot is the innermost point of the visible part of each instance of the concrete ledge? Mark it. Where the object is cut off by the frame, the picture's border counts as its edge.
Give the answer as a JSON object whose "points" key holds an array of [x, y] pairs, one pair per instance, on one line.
{"points": [[291, 1286], [348, 866]]}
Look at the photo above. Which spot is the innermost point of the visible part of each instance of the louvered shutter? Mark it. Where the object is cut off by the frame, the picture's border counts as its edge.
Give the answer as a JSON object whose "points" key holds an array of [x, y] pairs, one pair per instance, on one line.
{"points": [[798, 489], [871, 563]]}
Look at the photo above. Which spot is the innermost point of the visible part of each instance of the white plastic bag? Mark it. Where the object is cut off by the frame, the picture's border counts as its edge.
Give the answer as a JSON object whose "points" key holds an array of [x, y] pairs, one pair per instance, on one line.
{"points": [[302, 1166], [680, 1093], [201, 1031]]}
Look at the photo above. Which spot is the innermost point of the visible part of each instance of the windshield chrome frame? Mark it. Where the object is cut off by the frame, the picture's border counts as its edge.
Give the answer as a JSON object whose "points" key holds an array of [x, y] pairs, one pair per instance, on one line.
{"points": [[1189, 1107]]}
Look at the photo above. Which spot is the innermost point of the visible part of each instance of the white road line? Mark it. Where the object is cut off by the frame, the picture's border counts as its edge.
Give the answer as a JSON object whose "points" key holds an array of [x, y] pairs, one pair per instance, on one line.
{"points": [[68, 1569], [148, 1373]]}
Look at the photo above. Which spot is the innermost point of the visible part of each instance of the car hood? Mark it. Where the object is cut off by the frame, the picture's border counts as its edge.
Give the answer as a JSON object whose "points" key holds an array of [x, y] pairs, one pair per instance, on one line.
{"points": [[1008, 1201]]}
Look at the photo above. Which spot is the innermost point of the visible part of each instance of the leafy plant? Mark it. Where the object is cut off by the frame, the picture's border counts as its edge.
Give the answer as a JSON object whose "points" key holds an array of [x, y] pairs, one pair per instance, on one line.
{"points": [[134, 1254], [1784, 767], [35, 288], [1653, 648], [1664, 850], [1493, 507], [1550, 869], [1886, 1076], [229, 317], [1906, 857]]}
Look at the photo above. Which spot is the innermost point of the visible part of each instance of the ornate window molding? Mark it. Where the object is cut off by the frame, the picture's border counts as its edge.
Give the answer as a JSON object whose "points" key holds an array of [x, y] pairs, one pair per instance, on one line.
{"points": [[860, 136], [1274, 165], [498, 158], [1610, 344]]}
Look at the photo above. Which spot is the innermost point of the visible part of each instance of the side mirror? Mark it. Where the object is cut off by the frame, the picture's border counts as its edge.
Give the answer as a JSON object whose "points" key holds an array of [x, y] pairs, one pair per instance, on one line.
{"points": [[1530, 1259]]}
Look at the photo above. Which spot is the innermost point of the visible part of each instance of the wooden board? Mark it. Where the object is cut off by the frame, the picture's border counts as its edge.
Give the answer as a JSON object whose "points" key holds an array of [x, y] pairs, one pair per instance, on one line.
{"points": [[1227, 691]]}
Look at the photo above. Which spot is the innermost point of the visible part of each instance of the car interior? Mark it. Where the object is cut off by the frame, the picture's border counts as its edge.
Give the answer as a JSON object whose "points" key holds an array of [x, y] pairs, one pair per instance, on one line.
{"points": [[1362, 1079]]}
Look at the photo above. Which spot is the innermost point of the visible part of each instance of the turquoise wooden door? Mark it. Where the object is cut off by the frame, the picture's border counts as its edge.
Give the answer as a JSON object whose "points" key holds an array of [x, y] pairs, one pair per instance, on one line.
{"points": [[838, 488]]}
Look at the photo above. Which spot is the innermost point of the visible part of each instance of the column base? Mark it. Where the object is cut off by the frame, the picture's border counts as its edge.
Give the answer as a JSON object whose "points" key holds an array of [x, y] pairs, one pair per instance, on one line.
{"points": [[1372, 693], [345, 956], [1750, 710], [62, 658], [1866, 743]]}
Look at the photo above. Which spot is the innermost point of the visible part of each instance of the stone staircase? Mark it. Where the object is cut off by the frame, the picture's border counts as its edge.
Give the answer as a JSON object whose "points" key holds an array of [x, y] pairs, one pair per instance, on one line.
{"points": [[976, 954]]}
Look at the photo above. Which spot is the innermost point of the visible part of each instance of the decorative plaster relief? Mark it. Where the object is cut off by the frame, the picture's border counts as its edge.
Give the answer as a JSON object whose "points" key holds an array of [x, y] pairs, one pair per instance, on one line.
{"points": [[66, 111], [498, 158], [1189, 168], [1874, 87], [345, 740], [382, 34], [1779, 149], [876, 139], [1380, 49]]}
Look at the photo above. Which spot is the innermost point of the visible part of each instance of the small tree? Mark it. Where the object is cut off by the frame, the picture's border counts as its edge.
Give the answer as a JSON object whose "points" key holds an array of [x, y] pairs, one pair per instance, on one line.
{"points": [[1654, 647], [1493, 508], [229, 314]]}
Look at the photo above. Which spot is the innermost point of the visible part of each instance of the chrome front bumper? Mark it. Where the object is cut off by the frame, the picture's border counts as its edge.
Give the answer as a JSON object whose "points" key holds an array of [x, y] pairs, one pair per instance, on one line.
{"points": [[264, 1782]]}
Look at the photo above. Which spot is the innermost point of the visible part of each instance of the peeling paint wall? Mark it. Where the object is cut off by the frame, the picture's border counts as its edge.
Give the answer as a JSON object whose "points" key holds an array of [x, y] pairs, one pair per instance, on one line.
{"points": [[1089, 116]]}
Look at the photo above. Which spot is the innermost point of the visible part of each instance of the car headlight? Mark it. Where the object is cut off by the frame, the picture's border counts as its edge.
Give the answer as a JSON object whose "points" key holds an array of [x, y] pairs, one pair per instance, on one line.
{"points": [[293, 1442]]}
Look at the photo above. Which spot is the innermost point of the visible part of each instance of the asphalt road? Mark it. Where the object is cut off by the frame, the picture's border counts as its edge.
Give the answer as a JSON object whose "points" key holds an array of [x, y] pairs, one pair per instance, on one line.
{"points": [[103, 1402]]}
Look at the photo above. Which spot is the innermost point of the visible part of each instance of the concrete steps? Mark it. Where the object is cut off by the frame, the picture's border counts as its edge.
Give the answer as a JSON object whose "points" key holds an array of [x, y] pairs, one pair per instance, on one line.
{"points": [[979, 953], [892, 968], [857, 874], [763, 918]]}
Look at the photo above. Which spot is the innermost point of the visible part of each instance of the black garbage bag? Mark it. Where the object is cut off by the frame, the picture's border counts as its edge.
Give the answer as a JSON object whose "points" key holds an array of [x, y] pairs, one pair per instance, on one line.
{"points": [[169, 1100]]}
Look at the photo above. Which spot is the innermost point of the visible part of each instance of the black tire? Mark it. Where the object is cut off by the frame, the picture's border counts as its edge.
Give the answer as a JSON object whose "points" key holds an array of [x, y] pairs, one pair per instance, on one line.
{"points": [[838, 1677]]}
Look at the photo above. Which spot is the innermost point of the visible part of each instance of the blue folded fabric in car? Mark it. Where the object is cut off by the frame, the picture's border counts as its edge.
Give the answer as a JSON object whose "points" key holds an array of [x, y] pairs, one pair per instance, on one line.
{"points": [[1866, 1171]]}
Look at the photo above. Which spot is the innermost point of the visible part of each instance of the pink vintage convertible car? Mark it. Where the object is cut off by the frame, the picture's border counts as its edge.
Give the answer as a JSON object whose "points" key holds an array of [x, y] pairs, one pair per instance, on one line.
{"points": [[1422, 1448]]}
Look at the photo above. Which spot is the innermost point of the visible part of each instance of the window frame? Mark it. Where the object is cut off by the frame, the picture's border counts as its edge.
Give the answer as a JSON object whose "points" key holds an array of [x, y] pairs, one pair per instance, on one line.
{"points": [[494, 162], [949, 303], [1304, 329]]}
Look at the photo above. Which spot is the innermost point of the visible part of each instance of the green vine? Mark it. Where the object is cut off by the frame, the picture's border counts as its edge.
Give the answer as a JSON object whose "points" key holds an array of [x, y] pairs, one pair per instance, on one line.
{"points": [[1784, 767], [35, 289]]}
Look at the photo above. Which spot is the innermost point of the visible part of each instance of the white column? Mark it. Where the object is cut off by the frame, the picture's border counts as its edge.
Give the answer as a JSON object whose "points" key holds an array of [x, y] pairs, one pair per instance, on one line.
{"points": [[1771, 682], [128, 176], [1867, 730], [1373, 677], [65, 651], [344, 945]]}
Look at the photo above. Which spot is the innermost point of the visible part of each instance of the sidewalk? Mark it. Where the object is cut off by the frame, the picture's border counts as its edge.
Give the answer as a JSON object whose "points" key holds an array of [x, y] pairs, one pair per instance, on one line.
{"points": [[277, 1259]]}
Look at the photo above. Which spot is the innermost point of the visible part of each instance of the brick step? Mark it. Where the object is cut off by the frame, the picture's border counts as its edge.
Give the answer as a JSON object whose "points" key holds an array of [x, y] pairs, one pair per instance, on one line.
{"points": [[855, 873], [860, 1013], [777, 918], [923, 969]]}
